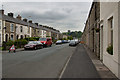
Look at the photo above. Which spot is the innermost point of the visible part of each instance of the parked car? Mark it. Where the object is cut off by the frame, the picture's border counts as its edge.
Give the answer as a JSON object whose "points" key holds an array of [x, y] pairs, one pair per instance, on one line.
{"points": [[69, 41], [77, 41], [72, 43], [33, 45], [64, 41], [58, 42], [46, 41]]}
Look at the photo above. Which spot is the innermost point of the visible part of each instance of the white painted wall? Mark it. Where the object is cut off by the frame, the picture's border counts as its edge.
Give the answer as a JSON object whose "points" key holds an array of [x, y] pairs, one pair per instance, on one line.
{"points": [[43, 35], [1, 31], [108, 10], [24, 32]]}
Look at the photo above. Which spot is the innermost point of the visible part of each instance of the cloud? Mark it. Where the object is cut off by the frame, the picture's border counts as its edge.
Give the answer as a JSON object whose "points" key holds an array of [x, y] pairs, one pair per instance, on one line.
{"points": [[60, 15]]}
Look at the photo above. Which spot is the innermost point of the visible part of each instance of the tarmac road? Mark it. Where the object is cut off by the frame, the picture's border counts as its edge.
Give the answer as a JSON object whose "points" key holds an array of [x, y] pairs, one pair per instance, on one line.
{"points": [[42, 63]]}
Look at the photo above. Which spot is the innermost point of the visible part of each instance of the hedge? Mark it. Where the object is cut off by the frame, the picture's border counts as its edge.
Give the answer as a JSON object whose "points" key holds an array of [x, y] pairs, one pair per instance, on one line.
{"points": [[32, 38], [18, 44]]}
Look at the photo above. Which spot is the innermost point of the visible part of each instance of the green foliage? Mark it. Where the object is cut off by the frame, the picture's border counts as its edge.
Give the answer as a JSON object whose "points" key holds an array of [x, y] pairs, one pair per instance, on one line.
{"points": [[70, 38], [10, 43], [76, 34], [97, 29], [47, 36], [32, 38], [18, 44], [64, 38], [110, 49], [36, 38]]}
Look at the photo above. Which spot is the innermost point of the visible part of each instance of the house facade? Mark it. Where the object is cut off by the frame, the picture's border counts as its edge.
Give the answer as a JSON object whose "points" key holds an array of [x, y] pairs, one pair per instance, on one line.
{"points": [[109, 35], [17, 28], [102, 32], [1, 30], [91, 36]]}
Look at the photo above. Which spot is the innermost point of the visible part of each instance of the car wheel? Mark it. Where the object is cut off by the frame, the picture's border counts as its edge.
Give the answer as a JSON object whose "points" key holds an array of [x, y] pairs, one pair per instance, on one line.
{"points": [[35, 48], [41, 47]]}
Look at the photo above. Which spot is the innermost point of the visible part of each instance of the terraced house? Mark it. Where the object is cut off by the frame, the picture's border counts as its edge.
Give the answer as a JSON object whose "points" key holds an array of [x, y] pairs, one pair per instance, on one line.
{"points": [[110, 35], [107, 34], [91, 34], [17, 28], [1, 23]]}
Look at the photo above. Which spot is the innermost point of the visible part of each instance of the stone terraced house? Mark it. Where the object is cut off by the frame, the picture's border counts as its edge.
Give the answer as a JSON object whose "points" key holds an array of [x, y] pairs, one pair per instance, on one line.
{"points": [[17, 28]]}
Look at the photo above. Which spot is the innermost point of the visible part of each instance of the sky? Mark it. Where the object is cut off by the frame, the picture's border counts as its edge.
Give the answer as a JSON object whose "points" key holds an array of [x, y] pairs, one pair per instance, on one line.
{"points": [[62, 16]]}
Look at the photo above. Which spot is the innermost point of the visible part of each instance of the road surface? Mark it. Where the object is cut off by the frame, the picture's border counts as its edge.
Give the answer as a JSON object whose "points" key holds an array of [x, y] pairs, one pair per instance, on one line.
{"points": [[42, 63]]}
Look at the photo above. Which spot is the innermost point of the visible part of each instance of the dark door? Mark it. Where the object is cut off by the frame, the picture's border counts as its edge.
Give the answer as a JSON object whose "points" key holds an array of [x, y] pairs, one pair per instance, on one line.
{"points": [[6, 37]]}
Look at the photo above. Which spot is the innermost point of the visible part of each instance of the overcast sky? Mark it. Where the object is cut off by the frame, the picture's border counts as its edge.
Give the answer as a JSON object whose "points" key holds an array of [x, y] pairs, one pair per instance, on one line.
{"points": [[63, 16]]}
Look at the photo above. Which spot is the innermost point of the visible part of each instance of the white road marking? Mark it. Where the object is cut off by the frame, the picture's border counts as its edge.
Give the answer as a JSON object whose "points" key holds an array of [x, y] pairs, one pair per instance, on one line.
{"points": [[64, 68]]}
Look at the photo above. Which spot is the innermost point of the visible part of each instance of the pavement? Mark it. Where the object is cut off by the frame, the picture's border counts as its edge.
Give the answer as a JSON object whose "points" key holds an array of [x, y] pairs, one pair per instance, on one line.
{"points": [[17, 50], [85, 65], [103, 71], [80, 65]]}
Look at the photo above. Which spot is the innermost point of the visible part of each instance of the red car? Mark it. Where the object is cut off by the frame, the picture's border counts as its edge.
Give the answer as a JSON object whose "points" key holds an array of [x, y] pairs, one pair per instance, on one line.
{"points": [[46, 41], [33, 45]]}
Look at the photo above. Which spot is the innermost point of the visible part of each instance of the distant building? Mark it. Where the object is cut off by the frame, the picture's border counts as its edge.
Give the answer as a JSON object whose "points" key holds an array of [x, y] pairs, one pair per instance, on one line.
{"points": [[65, 36]]}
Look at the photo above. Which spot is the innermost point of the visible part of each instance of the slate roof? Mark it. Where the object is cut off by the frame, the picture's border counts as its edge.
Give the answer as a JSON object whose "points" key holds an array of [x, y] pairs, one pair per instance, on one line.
{"points": [[15, 20]]}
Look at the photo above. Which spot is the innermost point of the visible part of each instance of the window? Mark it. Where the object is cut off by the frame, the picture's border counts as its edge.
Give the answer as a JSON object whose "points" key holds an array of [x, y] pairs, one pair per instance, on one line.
{"points": [[21, 37], [0, 38], [12, 37], [38, 32], [17, 37], [111, 30], [0, 24], [12, 27], [28, 28], [21, 29]]}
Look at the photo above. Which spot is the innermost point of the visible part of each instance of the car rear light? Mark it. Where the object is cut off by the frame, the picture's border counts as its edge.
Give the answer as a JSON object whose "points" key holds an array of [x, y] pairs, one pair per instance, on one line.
{"points": [[44, 42]]}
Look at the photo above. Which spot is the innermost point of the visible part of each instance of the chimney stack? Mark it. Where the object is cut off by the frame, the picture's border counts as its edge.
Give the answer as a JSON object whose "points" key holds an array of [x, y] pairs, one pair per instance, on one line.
{"points": [[25, 20], [30, 21], [2, 12], [19, 17], [36, 24], [10, 14]]}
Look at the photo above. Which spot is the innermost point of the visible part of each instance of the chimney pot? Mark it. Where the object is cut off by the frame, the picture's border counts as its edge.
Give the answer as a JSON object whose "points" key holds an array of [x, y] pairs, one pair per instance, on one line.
{"points": [[30, 21], [2, 12], [25, 20], [10, 14], [36, 24], [19, 17]]}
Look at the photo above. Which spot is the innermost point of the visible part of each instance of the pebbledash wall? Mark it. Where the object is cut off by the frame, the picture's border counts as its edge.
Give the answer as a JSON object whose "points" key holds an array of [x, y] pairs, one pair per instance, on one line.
{"points": [[110, 20]]}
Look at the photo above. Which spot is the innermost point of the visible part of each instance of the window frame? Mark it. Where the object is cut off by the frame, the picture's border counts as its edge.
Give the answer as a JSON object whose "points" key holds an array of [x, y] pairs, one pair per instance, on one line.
{"points": [[12, 27]]}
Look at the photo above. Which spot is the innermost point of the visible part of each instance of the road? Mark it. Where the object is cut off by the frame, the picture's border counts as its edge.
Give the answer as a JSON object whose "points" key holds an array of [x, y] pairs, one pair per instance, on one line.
{"points": [[42, 63]]}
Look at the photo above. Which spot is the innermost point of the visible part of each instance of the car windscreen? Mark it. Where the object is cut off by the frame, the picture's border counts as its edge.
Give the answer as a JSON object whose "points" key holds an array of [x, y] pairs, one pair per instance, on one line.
{"points": [[59, 41], [72, 41], [42, 39], [32, 42], [39, 42]]}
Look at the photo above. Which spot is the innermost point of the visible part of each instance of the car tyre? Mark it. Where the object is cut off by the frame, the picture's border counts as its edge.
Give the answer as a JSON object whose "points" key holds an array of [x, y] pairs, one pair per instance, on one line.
{"points": [[41, 47], [35, 48]]}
